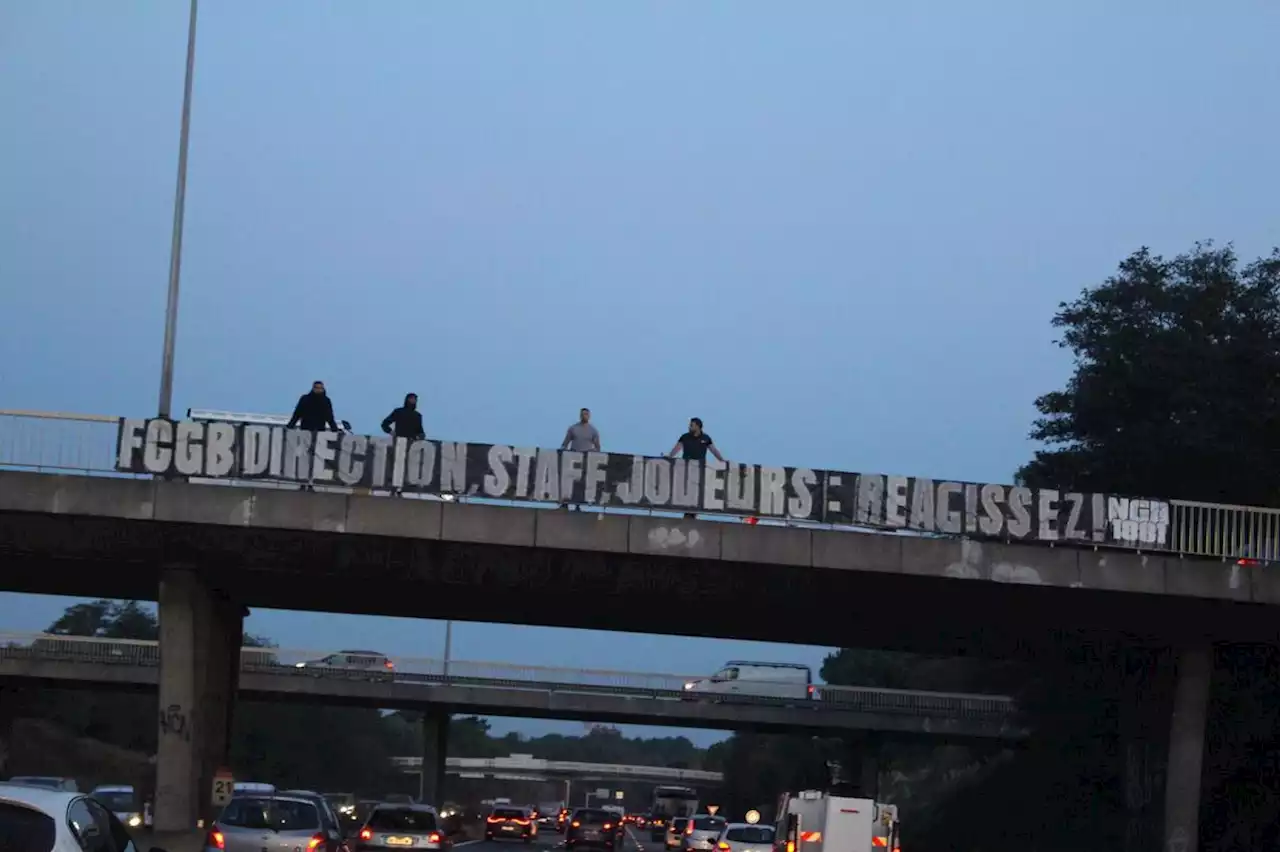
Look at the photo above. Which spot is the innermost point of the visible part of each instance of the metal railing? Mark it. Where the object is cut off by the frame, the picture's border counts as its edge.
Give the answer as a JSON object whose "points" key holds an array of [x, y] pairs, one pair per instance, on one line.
{"points": [[86, 444], [565, 767], [426, 671]]}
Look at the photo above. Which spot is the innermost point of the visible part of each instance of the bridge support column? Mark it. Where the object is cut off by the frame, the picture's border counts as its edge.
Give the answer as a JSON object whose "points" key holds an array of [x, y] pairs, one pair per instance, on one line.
{"points": [[435, 747], [1186, 748], [200, 635]]}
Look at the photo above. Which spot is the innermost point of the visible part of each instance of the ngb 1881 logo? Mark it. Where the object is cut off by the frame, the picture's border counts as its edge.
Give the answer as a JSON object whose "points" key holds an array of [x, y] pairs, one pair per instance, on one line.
{"points": [[1134, 521]]}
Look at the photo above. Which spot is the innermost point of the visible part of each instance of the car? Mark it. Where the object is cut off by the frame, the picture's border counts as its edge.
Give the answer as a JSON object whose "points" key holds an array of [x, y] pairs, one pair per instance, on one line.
{"points": [[122, 801], [510, 822], [594, 828], [38, 819], [48, 782], [702, 831], [330, 821], [373, 662], [746, 678], [398, 826], [744, 837], [674, 838], [289, 822]]}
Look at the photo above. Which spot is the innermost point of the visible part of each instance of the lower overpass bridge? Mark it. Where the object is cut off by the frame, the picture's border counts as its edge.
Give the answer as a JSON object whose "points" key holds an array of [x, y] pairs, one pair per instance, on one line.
{"points": [[505, 689], [519, 767]]}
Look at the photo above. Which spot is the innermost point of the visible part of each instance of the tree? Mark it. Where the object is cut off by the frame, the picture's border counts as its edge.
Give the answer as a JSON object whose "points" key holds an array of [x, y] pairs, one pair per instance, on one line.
{"points": [[1174, 359]]}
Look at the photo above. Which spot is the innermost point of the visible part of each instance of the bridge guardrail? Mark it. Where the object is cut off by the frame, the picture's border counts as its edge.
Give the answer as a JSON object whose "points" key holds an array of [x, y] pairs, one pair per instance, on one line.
{"points": [[428, 671], [622, 771], [85, 444]]}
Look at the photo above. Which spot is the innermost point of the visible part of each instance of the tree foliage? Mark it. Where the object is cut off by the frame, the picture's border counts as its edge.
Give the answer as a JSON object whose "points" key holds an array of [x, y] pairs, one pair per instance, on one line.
{"points": [[1174, 359]]}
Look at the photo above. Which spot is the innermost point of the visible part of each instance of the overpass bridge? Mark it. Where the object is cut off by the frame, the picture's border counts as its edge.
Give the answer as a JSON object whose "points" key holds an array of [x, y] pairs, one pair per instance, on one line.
{"points": [[208, 518], [505, 689]]}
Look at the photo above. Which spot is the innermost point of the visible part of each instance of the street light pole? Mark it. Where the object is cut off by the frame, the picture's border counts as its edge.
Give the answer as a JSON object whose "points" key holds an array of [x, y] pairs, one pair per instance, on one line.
{"points": [[448, 646], [175, 249]]}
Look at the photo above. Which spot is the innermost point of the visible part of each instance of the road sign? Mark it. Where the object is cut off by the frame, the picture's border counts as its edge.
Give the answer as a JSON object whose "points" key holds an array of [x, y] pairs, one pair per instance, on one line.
{"points": [[713, 809], [602, 792], [224, 784], [753, 817]]}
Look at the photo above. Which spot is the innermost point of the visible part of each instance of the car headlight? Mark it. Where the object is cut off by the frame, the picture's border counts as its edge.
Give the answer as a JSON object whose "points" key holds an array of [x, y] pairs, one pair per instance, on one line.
{"points": [[299, 665], [689, 685], [135, 820]]}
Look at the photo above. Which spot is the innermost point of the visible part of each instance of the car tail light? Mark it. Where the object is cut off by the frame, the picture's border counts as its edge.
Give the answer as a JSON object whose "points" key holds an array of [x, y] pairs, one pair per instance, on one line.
{"points": [[433, 837], [494, 819], [811, 689], [521, 821], [688, 829], [389, 664], [366, 834], [722, 846], [216, 840], [316, 842], [608, 825], [575, 824]]}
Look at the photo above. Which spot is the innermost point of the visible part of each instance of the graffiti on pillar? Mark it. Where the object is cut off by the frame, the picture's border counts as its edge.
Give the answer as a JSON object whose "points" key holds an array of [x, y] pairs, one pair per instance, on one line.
{"points": [[173, 722], [1179, 840]]}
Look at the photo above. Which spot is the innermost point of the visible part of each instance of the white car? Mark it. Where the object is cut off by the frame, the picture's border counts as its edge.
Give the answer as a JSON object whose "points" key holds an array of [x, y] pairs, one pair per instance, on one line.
{"points": [[744, 837], [41, 820], [122, 801], [754, 679]]}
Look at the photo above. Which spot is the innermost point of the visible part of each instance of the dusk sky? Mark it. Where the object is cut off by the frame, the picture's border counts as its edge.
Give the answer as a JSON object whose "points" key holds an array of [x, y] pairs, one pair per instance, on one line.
{"points": [[836, 231]]}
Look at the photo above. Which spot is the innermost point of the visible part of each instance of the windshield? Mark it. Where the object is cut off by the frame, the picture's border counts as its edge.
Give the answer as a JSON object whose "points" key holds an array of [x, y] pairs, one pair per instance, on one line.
{"points": [[708, 824], [117, 801], [752, 834], [275, 814], [679, 823], [508, 813], [402, 819], [37, 781], [594, 817]]}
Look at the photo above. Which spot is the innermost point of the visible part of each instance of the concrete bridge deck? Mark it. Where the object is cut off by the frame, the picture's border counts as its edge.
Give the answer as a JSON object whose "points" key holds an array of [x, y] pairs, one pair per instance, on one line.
{"points": [[296, 550]]}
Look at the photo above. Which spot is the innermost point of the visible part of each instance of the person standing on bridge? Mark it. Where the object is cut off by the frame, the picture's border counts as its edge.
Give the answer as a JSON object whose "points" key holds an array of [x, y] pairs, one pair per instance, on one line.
{"points": [[695, 444], [405, 421], [580, 437], [314, 413]]}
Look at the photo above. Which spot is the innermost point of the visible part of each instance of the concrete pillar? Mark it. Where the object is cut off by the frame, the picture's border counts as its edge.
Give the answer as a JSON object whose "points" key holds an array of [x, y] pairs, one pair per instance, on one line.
{"points": [[435, 743], [200, 634], [1186, 749], [12, 703]]}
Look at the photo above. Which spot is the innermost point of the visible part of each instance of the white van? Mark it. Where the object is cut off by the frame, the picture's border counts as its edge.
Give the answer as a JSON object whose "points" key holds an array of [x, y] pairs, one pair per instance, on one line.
{"points": [[764, 680]]}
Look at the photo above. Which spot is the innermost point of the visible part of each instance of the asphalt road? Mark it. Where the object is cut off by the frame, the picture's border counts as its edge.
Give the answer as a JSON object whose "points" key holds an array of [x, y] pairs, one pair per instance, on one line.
{"points": [[551, 840]]}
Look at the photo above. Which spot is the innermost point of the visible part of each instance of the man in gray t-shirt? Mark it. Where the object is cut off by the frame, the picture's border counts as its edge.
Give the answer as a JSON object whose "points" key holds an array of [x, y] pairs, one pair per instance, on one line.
{"points": [[581, 436]]}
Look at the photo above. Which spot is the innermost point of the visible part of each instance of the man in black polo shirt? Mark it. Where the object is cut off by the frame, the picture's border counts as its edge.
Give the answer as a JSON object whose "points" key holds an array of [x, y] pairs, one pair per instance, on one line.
{"points": [[695, 443]]}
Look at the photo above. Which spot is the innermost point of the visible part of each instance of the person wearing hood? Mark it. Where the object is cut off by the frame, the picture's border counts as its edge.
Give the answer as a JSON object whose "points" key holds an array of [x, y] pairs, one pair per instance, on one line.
{"points": [[314, 411], [405, 421]]}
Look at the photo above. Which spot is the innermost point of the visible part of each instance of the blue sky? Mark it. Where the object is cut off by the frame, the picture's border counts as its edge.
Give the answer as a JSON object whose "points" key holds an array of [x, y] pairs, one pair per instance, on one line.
{"points": [[836, 231]]}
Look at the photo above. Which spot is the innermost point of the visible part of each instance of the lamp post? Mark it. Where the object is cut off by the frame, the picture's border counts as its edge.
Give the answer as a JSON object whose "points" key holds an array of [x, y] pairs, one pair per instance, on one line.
{"points": [[448, 647], [179, 207]]}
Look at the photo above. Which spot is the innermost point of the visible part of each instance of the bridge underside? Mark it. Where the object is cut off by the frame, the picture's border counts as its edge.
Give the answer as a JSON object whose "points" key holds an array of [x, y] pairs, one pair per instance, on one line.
{"points": [[380, 575]]}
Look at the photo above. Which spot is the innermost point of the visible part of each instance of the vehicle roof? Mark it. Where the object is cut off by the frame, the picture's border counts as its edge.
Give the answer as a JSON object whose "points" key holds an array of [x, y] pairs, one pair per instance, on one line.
{"points": [[275, 797], [748, 825], [768, 665], [404, 806], [53, 801], [299, 793], [357, 651], [113, 788]]}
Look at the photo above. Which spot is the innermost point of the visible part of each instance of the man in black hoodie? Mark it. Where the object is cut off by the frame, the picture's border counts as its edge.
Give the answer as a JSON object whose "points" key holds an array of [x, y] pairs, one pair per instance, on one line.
{"points": [[405, 421], [314, 411]]}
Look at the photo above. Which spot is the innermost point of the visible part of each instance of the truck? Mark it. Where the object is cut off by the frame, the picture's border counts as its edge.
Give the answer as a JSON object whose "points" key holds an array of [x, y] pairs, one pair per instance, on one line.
{"points": [[668, 803], [815, 821]]}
